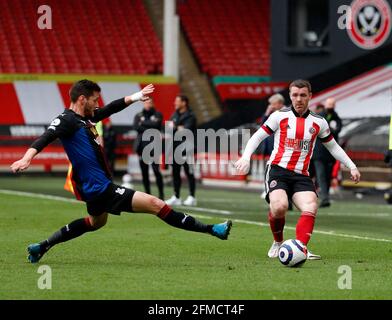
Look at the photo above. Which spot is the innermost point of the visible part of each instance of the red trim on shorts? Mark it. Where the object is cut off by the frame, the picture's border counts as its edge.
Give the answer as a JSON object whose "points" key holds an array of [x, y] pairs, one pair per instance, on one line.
{"points": [[305, 169], [299, 135], [164, 212], [283, 134]]}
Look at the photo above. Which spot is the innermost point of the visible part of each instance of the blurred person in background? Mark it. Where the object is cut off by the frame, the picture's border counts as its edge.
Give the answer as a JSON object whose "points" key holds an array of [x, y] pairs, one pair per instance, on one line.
{"points": [[322, 158], [109, 143], [318, 109], [183, 118], [275, 103], [148, 118]]}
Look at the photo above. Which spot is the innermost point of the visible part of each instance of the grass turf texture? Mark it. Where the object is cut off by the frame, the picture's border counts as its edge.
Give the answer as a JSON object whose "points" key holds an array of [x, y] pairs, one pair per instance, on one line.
{"points": [[138, 256]]}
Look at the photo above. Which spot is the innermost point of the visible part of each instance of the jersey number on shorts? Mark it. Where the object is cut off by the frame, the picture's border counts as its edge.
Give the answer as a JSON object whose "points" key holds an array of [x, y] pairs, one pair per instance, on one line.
{"points": [[120, 191]]}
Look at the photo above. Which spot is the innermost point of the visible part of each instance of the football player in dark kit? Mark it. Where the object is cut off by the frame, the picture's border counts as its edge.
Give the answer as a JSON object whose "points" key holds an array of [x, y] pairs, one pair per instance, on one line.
{"points": [[91, 178], [148, 118]]}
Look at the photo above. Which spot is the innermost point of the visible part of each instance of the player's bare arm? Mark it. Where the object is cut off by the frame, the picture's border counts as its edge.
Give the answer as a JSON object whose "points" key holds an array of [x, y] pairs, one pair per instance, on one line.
{"points": [[24, 163]]}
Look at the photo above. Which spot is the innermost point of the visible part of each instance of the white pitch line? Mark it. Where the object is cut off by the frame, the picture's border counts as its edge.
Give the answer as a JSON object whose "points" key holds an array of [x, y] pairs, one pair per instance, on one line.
{"points": [[355, 214], [220, 200], [329, 233], [225, 212], [38, 195]]}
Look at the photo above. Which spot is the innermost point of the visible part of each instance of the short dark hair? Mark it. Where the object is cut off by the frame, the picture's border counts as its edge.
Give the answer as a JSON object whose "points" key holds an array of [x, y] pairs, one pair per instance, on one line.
{"points": [[299, 83], [184, 98], [83, 88]]}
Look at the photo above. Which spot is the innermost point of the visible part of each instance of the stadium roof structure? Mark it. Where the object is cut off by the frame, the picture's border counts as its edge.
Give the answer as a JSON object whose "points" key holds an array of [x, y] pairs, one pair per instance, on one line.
{"points": [[367, 95]]}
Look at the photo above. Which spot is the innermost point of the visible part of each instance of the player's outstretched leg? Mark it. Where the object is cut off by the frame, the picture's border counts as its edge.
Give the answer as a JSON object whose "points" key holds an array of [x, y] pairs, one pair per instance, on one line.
{"points": [[143, 202], [70, 231]]}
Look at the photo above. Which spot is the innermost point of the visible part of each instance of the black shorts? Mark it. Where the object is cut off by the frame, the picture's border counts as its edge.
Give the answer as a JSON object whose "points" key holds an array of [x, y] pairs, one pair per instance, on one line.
{"points": [[280, 178], [114, 200]]}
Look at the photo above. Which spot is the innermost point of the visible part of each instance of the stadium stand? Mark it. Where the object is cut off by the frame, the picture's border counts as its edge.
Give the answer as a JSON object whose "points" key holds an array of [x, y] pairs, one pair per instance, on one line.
{"points": [[228, 38], [88, 36]]}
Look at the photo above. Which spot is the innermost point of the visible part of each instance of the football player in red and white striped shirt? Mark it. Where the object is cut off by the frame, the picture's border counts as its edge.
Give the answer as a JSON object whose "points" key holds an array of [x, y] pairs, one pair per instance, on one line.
{"points": [[295, 128]]}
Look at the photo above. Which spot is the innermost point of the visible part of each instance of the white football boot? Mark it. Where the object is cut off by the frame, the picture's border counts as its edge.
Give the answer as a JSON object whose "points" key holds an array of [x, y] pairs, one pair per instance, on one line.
{"points": [[312, 256], [174, 201], [273, 251], [190, 201]]}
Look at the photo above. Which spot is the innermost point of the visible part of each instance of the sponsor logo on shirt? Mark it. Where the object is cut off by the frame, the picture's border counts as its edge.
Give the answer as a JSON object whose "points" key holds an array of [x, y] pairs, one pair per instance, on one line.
{"points": [[298, 144]]}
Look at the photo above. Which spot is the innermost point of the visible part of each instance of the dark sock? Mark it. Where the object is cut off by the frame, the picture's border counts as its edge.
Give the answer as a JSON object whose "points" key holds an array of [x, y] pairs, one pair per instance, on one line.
{"points": [[159, 180], [183, 221], [192, 186], [75, 229]]}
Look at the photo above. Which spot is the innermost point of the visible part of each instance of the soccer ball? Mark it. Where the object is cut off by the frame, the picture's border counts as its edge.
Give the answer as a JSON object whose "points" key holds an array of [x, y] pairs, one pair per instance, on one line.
{"points": [[292, 253]]}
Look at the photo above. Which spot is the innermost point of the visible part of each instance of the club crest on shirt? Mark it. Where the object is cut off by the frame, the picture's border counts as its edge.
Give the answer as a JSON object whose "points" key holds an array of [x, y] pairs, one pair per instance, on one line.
{"points": [[312, 130], [273, 184]]}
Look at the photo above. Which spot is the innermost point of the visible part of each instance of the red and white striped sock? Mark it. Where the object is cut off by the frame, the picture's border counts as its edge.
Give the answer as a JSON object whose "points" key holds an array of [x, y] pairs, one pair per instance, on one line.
{"points": [[277, 226], [305, 226]]}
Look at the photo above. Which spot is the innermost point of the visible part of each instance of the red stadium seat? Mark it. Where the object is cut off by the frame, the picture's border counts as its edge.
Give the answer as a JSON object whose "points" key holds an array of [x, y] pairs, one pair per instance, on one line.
{"points": [[78, 44], [222, 31]]}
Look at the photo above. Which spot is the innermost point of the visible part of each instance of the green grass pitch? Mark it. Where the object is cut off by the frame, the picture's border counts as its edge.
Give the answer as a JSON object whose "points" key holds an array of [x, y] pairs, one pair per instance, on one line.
{"points": [[137, 256]]}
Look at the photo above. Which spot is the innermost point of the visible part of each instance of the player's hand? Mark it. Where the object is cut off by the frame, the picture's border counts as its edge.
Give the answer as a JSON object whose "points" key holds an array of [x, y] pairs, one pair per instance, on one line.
{"points": [[20, 165], [242, 166], [141, 95], [355, 175], [147, 90]]}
